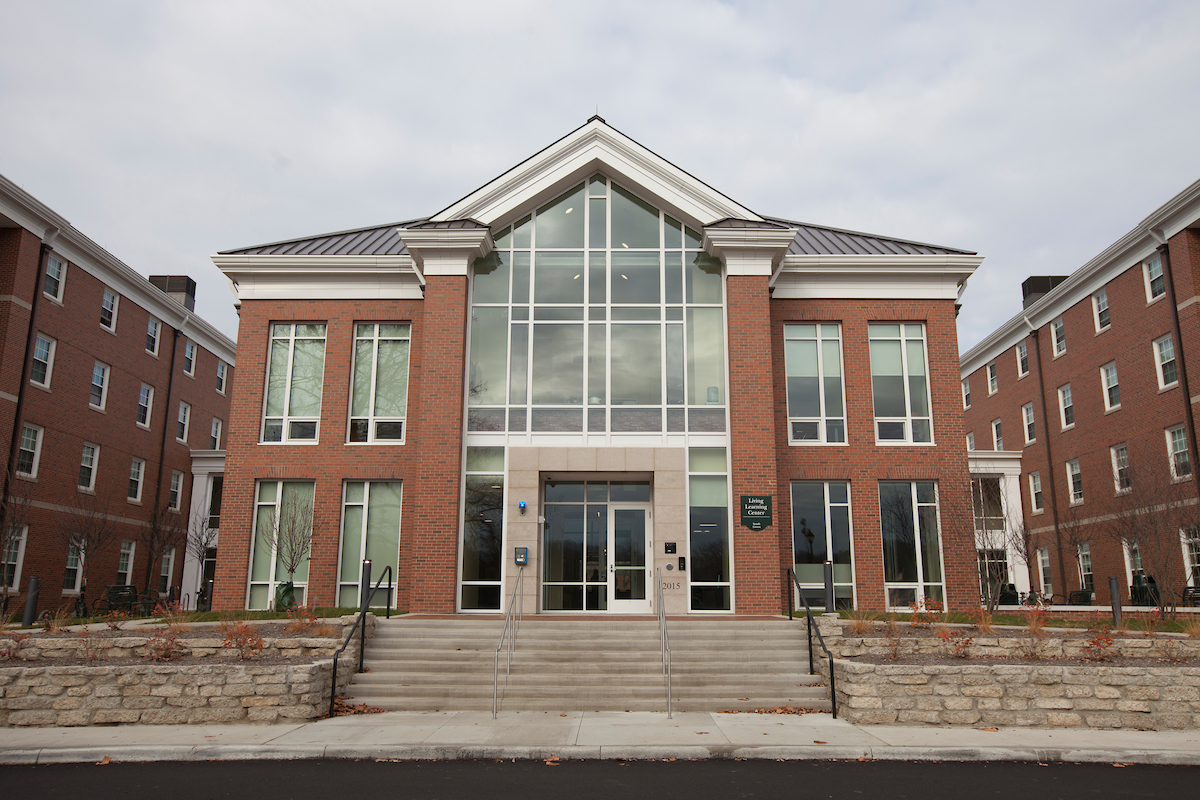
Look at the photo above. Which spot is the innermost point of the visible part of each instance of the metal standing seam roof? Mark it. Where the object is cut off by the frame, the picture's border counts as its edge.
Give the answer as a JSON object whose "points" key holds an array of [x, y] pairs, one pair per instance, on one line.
{"points": [[823, 240], [378, 240]]}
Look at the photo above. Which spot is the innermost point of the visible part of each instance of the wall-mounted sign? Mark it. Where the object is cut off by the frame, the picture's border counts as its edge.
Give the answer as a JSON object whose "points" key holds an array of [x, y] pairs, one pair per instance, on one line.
{"points": [[756, 511]]}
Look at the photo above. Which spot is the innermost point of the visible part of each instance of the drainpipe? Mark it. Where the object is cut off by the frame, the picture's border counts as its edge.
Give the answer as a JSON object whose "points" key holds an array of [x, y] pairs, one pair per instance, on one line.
{"points": [[1062, 568], [1164, 253], [30, 341]]}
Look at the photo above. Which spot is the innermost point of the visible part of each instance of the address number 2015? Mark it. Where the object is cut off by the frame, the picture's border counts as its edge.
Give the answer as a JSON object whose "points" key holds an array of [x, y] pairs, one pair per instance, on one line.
{"points": [[672, 585]]}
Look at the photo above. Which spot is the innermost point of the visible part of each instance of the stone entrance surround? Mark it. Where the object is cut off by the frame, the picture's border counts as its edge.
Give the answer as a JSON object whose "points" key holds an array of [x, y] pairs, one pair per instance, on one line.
{"points": [[665, 467]]}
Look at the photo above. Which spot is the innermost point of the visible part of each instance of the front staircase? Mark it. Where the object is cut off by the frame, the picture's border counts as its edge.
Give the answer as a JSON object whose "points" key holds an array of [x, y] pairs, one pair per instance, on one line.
{"points": [[419, 663]]}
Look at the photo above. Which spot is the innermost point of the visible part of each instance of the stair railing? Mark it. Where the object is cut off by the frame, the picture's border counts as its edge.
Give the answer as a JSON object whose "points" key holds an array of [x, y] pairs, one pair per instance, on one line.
{"points": [[664, 639], [360, 623], [794, 583], [508, 637]]}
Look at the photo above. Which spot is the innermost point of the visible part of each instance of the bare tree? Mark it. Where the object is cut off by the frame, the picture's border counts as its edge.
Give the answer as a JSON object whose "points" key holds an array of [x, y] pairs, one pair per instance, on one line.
{"points": [[292, 535], [163, 531], [16, 517], [998, 529], [201, 537], [89, 530]]}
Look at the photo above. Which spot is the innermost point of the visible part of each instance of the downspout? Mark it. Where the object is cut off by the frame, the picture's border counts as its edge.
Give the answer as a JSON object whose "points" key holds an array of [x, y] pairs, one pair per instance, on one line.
{"points": [[1062, 567], [162, 445], [1164, 252]]}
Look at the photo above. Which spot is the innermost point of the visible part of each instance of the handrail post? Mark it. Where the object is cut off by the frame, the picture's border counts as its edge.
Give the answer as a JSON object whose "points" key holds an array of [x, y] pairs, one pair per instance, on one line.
{"points": [[507, 637], [366, 603]]}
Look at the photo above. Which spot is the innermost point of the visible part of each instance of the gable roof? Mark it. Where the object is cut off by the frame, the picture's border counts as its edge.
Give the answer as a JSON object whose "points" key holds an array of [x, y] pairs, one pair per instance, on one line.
{"points": [[824, 240], [377, 240]]}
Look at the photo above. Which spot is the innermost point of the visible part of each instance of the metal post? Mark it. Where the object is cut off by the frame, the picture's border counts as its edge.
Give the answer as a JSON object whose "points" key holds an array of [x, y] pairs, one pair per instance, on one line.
{"points": [[362, 614], [1114, 594], [31, 600], [829, 587]]}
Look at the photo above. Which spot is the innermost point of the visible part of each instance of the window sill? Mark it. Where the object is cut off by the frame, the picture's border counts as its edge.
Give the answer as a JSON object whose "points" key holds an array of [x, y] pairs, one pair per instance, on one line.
{"points": [[23, 477], [1057, 356], [1161, 389], [1105, 329], [298, 443], [895, 443], [1075, 503], [85, 490], [145, 427], [1156, 299], [1184, 479], [1030, 442], [97, 409], [1037, 513], [112, 331], [70, 593], [44, 387], [1070, 427], [152, 354], [1112, 410], [180, 441], [815, 443], [1022, 376], [191, 375], [57, 301], [376, 443]]}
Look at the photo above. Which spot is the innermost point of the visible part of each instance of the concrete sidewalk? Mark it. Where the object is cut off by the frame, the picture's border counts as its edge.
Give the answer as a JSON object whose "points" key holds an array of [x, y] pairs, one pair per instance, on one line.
{"points": [[591, 735]]}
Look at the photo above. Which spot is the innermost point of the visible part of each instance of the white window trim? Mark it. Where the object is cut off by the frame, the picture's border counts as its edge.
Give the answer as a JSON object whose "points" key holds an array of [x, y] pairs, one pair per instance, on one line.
{"points": [[371, 417], [1171, 452], [62, 278], [1104, 387], [79, 559], [823, 418], [222, 377], [1045, 576], [116, 305], [908, 440], [1028, 421], [1071, 484], [971, 440], [215, 433], [1146, 279], [23, 537], [95, 466], [993, 378], [107, 379], [167, 569], [149, 406], [157, 336], [1056, 326], [272, 581], [1017, 352], [286, 419], [966, 393], [185, 411], [1112, 457], [189, 346], [921, 585], [1035, 489], [1193, 570], [141, 480], [49, 360], [1062, 407], [132, 552], [1081, 549], [1096, 310], [997, 435], [37, 450], [1158, 362], [176, 488]]}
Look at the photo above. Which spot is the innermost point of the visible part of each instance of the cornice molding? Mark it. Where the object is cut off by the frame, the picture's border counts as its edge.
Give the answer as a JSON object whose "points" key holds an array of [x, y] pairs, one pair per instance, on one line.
{"points": [[875, 277], [446, 251], [1002, 462], [290, 277], [749, 251]]}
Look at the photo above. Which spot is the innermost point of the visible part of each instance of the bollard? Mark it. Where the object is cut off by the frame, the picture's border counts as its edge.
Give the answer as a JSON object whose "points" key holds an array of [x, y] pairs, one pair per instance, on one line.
{"points": [[31, 599], [829, 609], [1114, 594]]}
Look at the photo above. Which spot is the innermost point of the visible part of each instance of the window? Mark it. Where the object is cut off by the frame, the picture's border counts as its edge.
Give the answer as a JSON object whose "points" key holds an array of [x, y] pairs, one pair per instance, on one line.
{"points": [[152, 329], [1100, 310], [993, 571], [1135, 574], [1084, 554], [993, 380], [189, 359], [56, 273], [1022, 350], [1112, 389], [222, 369], [43, 361], [1191, 554], [30, 451], [899, 382], [108, 310], [482, 562], [145, 405], [1164, 351], [137, 471], [997, 435], [181, 422], [215, 438], [215, 493], [987, 505], [87, 467], [821, 533], [971, 440], [1119, 455], [294, 379], [99, 391], [966, 391], [379, 390], [125, 563], [282, 536], [1030, 428], [175, 496], [1075, 481], [370, 529], [912, 550], [73, 574], [813, 354], [1060, 337], [1044, 576], [1156, 285], [12, 557], [1035, 492], [168, 567], [1177, 448], [1066, 407]]}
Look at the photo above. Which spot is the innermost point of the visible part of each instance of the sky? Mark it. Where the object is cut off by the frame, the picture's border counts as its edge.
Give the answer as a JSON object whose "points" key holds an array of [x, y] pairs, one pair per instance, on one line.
{"points": [[1034, 133]]}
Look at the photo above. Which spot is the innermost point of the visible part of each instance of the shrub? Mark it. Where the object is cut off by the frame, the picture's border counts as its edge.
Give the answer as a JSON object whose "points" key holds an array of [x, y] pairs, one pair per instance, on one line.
{"points": [[115, 619], [1098, 644], [956, 642], [301, 619], [861, 622], [243, 638], [163, 646], [925, 614], [1192, 628], [982, 621], [9, 650], [56, 622], [91, 645]]}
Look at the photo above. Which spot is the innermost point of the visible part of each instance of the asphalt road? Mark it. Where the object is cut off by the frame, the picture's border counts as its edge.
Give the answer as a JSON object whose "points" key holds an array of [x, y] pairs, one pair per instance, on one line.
{"points": [[602, 780]]}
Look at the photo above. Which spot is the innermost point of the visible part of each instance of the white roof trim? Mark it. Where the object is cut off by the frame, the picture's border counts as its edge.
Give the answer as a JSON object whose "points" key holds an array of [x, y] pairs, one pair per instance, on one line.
{"points": [[595, 146], [882, 277], [1181, 211], [291, 277], [994, 462]]}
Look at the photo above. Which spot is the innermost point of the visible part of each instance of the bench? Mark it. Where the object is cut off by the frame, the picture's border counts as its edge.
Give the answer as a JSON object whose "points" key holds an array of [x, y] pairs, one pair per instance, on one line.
{"points": [[120, 597], [1190, 596], [1083, 598]]}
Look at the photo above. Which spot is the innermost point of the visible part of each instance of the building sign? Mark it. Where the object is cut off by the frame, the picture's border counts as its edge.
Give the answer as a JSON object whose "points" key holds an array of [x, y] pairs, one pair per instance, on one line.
{"points": [[756, 511]]}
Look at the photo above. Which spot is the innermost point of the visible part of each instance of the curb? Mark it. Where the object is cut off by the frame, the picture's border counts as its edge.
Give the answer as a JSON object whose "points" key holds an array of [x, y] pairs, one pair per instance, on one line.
{"points": [[149, 753]]}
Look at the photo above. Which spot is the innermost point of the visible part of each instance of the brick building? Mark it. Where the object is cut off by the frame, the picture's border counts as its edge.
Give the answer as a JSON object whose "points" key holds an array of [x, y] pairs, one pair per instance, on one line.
{"points": [[599, 361], [1089, 385], [107, 385]]}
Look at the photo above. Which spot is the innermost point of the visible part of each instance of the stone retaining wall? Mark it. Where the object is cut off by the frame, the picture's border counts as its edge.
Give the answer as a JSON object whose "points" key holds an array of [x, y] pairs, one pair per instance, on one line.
{"points": [[1139, 698]]}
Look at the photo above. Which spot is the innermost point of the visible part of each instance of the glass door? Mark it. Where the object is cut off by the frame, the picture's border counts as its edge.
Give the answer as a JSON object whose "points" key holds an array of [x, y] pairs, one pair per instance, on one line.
{"points": [[629, 545]]}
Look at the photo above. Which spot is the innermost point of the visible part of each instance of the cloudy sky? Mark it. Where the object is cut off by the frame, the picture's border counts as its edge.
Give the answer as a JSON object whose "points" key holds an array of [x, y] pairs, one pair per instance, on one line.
{"points": [[1035, 133]]}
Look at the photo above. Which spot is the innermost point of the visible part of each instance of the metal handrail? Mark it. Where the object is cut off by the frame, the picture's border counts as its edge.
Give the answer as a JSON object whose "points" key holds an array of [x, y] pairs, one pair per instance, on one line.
{"points": [[504, 636], [812, 626], [664, 639], [360, 620]]}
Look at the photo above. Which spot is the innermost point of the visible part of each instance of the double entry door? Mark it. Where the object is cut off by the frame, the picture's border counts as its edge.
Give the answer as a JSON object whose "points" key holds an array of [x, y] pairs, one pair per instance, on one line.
{"points": [[596, 556]]}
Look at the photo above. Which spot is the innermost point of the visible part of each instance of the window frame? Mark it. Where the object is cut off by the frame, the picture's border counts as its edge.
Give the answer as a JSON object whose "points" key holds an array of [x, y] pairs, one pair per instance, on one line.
{"points": [[1160, 363], [1087, 577], [106, 373], [1029, 425], [970, 441], [1058, 332], [997, 435], [128, 555], [175, 492], [140, 463], [1066, 404], [1148, 267], [60, 279], [1045, 575], [921, 585], [1022, 353], [149, 405], [1177, 434], [52, 344], [1100, 309], [827, 504], [39, 433], [154, 324], [1037, 503], [222, 376], [824, 418], [111, 327], [1109, 389], [17, 544], [190, 354], [1122, 479], [91, 463], [73, 552], [166, 569], [362, 534], [1074, 471], [372, 419], [183, 418], [993, 378], [286, 419], [966, 393], [1189, 539], [272, 570], [215, 432], [910, 418]]}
